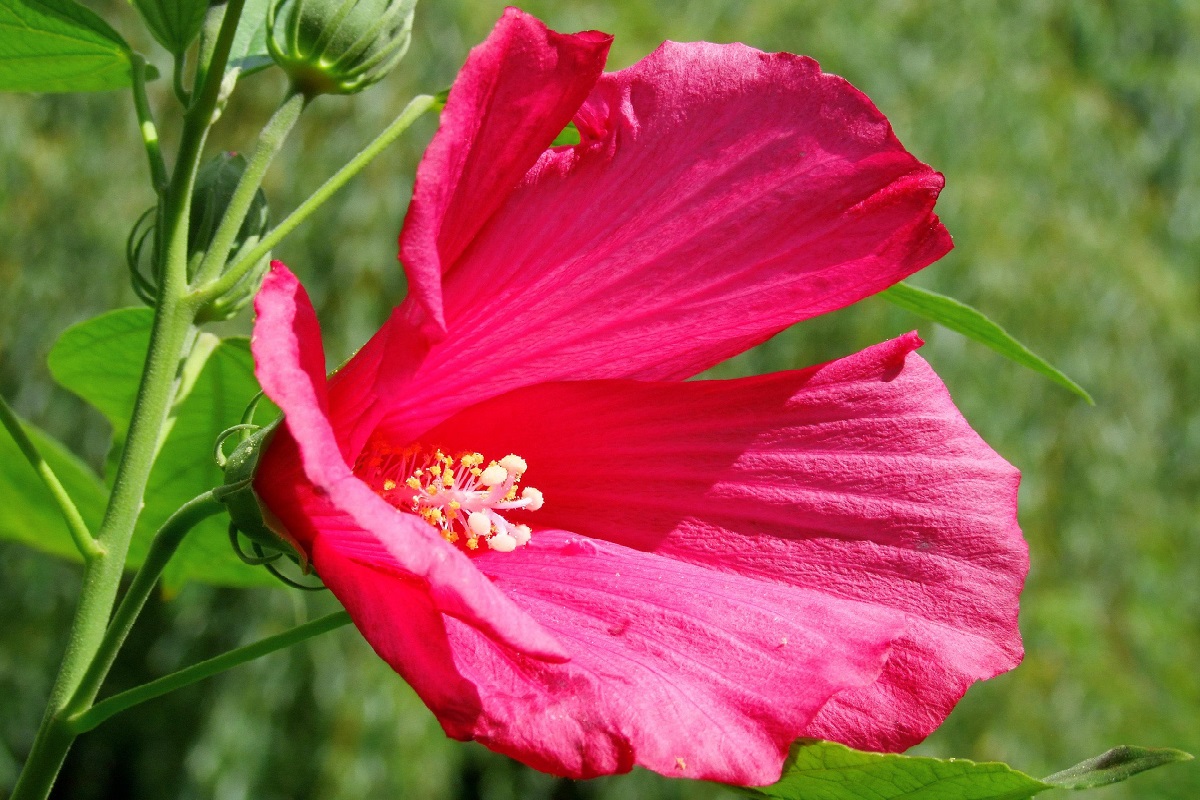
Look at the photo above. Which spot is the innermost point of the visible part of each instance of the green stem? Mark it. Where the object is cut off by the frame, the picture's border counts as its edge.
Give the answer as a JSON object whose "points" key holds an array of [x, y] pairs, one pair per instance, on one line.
{"points": [[146, 126], [102, 574], [205, 669], [163, 546], [416, 107], [88, 547], [270, 141], [168, 340]]}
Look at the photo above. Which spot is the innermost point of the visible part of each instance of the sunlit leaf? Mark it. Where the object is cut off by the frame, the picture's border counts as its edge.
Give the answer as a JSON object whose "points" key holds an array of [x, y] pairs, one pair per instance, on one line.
{"points": [[28, 513], [59, 46], [818, 770], [960, 317], [101, 361]]}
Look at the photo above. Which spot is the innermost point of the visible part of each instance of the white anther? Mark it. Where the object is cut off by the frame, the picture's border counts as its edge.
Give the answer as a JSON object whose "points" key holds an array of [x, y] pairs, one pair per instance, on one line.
{"points": [[514, 463], [502, 543], [521, 533], [533, 497], [493, 475], [479, 523]]}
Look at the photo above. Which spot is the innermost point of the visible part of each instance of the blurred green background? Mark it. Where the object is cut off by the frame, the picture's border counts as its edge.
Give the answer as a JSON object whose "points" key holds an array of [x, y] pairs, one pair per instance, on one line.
{"points": [[1068, 133]]}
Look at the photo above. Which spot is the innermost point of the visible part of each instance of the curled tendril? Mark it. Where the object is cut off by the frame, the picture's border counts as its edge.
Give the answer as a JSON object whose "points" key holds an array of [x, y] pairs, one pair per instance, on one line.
{"points": [[144, 287], [246, 558], [270, 567]]}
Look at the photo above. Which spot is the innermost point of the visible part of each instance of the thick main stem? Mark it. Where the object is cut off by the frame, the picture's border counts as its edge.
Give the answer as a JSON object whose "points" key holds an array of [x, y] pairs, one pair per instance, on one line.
{"points": [[102, 574], [173, 320]]}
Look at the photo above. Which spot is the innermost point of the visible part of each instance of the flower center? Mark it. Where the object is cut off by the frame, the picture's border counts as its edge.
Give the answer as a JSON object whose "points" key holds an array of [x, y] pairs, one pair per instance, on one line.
{"points": [[459, 495]]}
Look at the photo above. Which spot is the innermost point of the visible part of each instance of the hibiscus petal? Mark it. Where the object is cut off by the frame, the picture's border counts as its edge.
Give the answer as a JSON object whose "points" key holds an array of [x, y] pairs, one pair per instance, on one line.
{"points": [[858, 479], [675, 667], [335, 506], [720, 195], [516, 92]]}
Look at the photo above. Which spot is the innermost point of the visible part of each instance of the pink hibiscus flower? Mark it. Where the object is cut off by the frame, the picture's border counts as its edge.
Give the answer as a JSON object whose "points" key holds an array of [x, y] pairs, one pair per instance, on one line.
{"points": [[705, 570]]}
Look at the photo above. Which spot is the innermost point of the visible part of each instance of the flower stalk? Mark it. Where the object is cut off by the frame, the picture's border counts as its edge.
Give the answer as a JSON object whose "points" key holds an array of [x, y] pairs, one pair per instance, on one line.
{"points": [[205, 669], [213, 290], [270, 141], [166, 542]]}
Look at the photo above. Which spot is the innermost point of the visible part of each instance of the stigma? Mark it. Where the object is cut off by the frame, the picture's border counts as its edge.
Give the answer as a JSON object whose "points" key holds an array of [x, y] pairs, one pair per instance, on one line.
{"points": [[463, 496]]}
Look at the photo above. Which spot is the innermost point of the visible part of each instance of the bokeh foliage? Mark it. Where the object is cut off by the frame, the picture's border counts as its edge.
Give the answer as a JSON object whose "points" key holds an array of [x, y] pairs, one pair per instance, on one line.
{"points": [[1069, 133]]}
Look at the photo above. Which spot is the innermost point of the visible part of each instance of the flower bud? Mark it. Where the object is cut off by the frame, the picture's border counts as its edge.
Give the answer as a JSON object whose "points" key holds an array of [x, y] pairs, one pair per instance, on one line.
{"points": [[215, 183], [338, 46]]}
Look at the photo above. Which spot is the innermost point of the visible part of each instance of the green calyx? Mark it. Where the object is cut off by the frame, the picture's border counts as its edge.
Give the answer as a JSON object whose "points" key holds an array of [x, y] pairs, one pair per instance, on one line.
{"points": [[338, 46], [248, 515], [216, 182]]}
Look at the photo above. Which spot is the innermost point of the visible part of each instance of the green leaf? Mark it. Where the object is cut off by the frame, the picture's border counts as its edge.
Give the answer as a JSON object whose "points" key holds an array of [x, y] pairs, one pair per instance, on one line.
{"points": [[101, 361], [960, 317], [817, 770], [175, 24], [59, 46], [28, 513], [1114, 766]]}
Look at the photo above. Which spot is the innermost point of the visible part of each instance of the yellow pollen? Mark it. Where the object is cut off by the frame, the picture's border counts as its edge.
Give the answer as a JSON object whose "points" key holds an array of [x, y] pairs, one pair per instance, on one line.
{"points": [[464, 496]]}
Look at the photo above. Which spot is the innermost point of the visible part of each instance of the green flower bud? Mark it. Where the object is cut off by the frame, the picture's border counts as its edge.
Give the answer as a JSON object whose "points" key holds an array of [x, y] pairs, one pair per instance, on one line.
{"points": [[338, 46], [215, 183]]}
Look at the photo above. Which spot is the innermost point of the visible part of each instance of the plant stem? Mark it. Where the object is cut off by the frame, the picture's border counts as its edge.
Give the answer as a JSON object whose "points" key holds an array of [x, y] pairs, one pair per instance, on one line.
{"points": [[88, 547], [147, 128], [102, 574], [270, 141], [169, 338], [205, 669], [416, 107], [166, 542]]}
